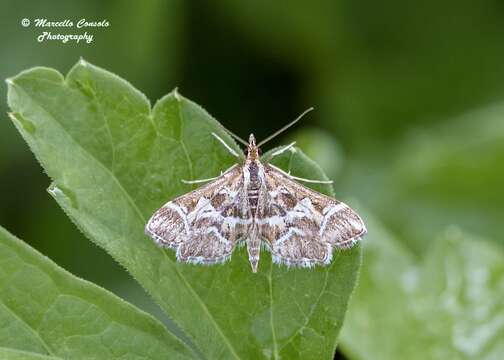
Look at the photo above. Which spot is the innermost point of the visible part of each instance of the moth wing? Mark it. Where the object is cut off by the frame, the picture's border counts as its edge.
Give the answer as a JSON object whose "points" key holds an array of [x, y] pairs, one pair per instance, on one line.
{"points": [[204, 225], [300, 226]]}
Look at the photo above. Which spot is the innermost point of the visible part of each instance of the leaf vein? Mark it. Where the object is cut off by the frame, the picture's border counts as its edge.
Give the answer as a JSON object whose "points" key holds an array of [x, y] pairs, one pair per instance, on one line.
{"points": [[272, 321], [312, 309], [33, 331]]}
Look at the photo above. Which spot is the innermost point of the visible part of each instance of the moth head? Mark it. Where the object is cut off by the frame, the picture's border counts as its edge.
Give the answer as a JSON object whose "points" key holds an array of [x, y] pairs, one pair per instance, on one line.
{"points": [[252, 152], [252, 141]]}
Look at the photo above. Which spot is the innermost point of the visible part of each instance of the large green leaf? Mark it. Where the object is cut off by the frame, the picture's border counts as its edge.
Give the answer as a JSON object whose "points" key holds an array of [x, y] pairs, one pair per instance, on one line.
{"points": [[45, 310], [114, 161], [446, 306]]}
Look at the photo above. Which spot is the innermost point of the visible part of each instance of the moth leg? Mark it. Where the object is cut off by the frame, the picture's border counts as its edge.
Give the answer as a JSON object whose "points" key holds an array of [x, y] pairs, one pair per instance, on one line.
{"points": [[209, 179], [199, 181], [280, 151], [225, 145], [301, 179], [311, 181]]}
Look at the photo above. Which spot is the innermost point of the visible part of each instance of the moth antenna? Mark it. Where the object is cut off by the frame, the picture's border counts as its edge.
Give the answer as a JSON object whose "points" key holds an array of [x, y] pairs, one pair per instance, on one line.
{"points": [[236, 137], [285, 127]]}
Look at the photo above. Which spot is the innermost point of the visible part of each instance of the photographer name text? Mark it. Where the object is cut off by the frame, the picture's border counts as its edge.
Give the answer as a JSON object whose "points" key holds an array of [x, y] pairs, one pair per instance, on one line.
{"points": [[67, 23], [50, 29]]}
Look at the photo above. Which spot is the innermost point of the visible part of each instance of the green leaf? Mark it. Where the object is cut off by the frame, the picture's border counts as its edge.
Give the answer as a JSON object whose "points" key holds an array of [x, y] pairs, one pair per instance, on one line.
{"points": [[114, 161], [45, 310], [11, 354], [447, 306]]}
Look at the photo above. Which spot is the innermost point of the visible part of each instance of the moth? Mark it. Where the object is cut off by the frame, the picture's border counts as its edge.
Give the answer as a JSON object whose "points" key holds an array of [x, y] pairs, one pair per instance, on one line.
{"points": [[258, 204]]}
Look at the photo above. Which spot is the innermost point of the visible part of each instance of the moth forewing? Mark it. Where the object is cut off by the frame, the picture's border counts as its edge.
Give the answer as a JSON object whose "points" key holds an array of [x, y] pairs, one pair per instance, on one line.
{"points": [[205, 224]]}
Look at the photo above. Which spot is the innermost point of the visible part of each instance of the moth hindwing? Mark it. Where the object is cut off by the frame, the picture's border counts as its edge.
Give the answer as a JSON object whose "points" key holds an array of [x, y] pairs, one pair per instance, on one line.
{"points": [[261, 205]]}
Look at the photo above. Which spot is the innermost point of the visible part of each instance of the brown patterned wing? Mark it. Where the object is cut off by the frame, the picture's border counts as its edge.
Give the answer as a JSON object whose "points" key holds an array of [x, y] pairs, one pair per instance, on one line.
{"points": [[300, 226], [204, 225]]}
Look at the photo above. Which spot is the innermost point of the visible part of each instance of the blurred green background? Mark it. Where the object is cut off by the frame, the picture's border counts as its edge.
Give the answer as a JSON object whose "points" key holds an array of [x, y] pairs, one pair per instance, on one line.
{"points": [[409, 100]]}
